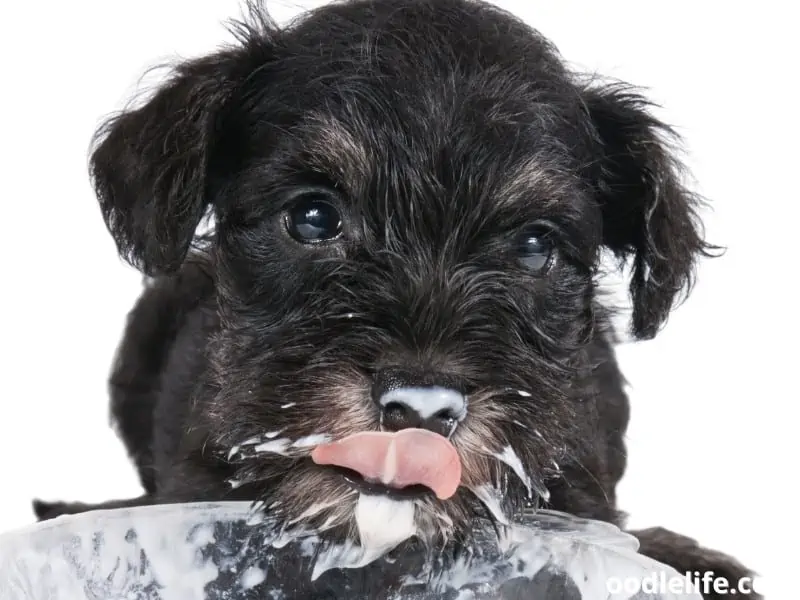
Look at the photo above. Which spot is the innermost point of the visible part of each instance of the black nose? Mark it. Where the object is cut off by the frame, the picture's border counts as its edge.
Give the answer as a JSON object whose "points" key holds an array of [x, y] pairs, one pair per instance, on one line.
{"points": [[410, 399]]}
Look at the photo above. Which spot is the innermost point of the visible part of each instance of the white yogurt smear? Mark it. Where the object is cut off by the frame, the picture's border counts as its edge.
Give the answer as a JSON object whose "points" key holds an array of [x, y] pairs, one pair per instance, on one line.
{"points": [[278, 446], [383, 523], [427, 401], [312, 440]]}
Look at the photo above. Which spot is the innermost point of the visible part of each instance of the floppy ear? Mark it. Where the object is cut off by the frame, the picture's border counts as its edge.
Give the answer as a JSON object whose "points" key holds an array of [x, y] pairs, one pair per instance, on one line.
{"points": [[648, 214], [148, 165]]}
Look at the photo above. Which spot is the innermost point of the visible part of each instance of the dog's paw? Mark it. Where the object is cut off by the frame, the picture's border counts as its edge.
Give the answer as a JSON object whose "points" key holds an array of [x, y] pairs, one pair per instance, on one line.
{"points": [[45, 511], [686, 556]]}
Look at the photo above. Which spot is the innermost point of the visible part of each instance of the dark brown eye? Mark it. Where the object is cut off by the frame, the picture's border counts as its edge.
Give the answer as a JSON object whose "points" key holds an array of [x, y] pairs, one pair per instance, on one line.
{"points": [[536, 249], [313, 217]]}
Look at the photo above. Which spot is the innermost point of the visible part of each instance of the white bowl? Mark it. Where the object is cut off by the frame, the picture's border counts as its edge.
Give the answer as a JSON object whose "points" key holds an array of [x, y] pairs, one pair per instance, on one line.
{"points": [[222, 552]]}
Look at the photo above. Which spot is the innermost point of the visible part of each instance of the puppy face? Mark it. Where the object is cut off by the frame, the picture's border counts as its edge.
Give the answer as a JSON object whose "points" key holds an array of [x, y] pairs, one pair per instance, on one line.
{"points": [[407, 196]]}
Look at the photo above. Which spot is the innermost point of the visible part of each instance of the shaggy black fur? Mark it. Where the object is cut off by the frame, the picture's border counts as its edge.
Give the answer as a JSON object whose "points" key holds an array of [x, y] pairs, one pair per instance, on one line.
{"points": [[449, 137]]}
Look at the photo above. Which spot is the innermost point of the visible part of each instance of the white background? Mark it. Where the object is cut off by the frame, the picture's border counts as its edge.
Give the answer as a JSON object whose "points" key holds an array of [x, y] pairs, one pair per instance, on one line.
{"points": [[713, 430]]}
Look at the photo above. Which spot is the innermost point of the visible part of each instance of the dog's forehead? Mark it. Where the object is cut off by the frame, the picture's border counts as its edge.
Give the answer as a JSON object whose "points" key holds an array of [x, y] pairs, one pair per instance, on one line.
{"points": [[430, 104], [460, 157], [445, 92]]}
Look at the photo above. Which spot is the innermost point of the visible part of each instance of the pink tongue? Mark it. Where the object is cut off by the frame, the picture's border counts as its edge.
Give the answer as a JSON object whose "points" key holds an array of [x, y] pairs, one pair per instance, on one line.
{"points": [[407, 457]]}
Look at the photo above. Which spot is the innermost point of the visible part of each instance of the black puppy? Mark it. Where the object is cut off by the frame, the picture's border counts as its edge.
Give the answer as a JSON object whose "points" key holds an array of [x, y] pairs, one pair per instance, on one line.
{"points": [[410, 201]]}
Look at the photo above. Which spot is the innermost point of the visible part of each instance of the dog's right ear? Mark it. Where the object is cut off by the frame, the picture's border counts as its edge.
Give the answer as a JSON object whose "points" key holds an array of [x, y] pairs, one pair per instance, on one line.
{"points": [[648, 213], [148, 165]]}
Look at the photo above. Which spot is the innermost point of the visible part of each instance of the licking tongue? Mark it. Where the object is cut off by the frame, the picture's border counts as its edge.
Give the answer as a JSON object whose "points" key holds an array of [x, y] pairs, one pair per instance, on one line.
{"points": [[400, 459]]}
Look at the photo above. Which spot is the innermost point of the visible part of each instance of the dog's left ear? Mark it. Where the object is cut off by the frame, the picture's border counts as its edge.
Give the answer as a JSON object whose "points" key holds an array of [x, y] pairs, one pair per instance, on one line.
{"points": [[148, 166], [648, 214]]}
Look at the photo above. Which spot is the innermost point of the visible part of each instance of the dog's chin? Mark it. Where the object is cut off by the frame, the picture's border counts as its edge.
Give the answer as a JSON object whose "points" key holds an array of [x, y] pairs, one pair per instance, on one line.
{"points": [[333, 501], [341, 506]]}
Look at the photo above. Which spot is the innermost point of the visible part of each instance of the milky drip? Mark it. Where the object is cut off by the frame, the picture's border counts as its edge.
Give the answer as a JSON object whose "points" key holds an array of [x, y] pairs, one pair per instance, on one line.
{"points": [[509, 457], [383, 523], [492, 498], [512, 460]]}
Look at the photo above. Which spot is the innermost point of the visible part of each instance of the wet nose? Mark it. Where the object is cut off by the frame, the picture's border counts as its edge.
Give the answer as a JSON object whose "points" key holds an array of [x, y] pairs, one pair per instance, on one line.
{"points": [[409, 399]]}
